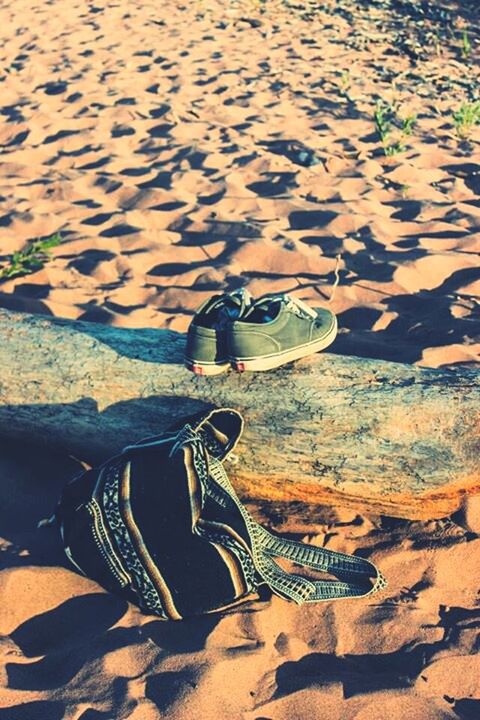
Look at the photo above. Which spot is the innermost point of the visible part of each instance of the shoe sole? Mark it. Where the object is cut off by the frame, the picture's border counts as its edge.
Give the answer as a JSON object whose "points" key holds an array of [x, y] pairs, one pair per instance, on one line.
{"points": [[269, 362], [206, 368]]}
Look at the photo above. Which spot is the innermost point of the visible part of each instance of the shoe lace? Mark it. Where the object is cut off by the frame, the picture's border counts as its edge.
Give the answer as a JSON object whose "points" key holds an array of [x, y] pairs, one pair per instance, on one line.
{"points": [[240, 301], [300, 308], [338, 260]]}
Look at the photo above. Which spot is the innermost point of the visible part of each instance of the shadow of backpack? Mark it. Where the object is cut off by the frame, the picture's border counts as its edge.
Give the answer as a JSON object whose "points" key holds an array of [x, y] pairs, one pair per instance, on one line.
{"points": [[161, 524]]}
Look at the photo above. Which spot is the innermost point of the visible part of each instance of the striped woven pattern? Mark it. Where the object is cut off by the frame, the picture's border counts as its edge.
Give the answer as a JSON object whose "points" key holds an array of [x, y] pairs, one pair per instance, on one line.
{"points": [[161, 524]]}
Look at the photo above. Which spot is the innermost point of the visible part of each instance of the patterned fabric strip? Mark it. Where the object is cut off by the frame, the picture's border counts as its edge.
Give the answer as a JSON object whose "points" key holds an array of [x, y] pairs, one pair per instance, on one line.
{"points": [[232, 563], [141, 583], [153, 573], [323, 559], [300, 589], [105, 547], [216, 532]]}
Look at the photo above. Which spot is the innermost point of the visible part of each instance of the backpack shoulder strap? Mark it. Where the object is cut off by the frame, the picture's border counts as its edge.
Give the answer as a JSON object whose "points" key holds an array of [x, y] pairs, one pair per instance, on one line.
{"points": [[354, 574]]}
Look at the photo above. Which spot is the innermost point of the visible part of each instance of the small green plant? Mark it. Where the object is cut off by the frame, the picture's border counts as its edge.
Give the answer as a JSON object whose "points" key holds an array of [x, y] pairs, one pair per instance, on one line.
{"points": [[387, 122], [465, 118], [466, 45], [437, 43], [345, 80], [30, 259], [408, 123], [345, 85], [383, 120]]}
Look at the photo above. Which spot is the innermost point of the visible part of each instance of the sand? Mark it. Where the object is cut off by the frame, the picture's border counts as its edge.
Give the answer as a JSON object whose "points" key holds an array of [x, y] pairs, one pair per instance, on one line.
{"points": [[184, 149], [71, 650]]}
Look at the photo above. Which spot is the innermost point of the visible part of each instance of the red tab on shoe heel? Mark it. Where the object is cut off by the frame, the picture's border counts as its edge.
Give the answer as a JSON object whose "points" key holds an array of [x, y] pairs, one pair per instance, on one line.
{"points": [[197, 369], [240, 367]]}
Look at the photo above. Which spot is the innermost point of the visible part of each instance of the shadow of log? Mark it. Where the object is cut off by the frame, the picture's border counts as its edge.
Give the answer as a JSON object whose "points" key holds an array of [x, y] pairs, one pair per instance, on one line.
{"points": [[36, 710]]}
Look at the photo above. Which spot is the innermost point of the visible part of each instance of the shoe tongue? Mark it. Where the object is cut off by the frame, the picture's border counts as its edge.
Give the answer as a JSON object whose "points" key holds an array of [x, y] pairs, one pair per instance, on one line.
{"points": [[235, 304], [268, 306], [241, 298]]}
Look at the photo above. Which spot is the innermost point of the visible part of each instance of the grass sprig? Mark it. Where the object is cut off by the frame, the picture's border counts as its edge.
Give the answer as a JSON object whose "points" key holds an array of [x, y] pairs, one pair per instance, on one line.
{"points": [[388, 122], [466, 45], [31, 258], [465, 118]]}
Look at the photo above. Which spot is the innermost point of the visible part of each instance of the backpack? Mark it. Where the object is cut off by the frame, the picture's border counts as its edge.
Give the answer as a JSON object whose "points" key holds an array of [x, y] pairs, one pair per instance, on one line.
{"points": [[161, 524]]}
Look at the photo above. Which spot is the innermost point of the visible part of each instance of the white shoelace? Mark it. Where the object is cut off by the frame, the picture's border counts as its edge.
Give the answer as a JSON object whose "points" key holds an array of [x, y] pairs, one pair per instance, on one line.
{"points": [[299, 307]]}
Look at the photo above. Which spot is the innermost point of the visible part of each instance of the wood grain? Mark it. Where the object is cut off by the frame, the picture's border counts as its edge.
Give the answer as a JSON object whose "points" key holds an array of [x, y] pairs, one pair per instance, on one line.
{"points": [[378, 436]]}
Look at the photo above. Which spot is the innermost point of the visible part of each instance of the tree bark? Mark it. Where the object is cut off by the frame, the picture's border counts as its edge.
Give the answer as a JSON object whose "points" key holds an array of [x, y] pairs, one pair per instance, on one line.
{"points": [[328, 430]]}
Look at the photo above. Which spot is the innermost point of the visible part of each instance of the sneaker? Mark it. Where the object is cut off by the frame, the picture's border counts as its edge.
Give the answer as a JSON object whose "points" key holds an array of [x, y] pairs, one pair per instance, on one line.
{"points": [[206, 350], [277, 329]]}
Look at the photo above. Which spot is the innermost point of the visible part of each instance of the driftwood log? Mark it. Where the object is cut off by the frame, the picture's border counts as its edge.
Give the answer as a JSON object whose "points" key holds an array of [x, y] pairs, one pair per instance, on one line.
{"points": [[376, 436]]}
